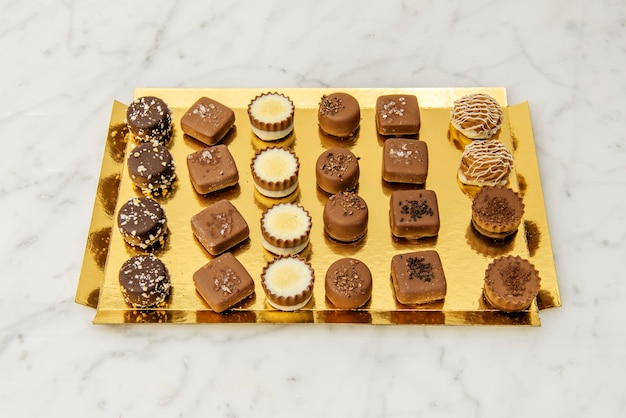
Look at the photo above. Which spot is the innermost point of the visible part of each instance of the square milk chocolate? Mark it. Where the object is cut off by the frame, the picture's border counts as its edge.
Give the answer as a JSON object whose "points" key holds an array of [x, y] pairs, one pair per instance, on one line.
{"points": [[219, 227], [223, 282], [405, 161], [212, 169], [397, 115], [207, 121], [418, 277], [414, 214]]}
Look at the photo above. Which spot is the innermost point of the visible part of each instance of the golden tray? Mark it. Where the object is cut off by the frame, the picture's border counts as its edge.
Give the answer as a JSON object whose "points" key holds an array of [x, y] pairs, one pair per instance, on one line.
{"points": [[465, 255]]}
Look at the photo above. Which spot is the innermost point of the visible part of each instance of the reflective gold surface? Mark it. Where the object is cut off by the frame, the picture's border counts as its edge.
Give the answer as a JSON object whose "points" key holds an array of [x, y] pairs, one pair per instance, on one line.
{"points": [[464, 253]]}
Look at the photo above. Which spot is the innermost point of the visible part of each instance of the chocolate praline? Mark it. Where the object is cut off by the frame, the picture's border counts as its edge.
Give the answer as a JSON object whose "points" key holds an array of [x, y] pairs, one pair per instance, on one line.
{"points": [[345, 217], [339, 114], [144, 281], [149, 119], [336, 170], [151, 168], [142, 222], [348, 283]]}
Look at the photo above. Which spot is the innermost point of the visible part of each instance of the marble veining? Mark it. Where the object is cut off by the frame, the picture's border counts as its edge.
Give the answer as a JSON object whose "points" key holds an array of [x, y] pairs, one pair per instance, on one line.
{"points": [[65, 62]]}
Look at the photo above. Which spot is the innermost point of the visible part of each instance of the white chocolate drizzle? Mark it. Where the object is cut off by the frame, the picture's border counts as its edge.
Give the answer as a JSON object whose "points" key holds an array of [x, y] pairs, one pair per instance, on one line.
{"points": [[477, 116], [485, 163]]}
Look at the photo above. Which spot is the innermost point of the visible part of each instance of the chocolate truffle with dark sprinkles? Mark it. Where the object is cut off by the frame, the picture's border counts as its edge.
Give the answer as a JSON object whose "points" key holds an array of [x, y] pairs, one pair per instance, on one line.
{"points": [[144, 281], [142, 222], [345, 217], [336, 170], [339, 114], [414, 213], [348, 283], [149, 119]]}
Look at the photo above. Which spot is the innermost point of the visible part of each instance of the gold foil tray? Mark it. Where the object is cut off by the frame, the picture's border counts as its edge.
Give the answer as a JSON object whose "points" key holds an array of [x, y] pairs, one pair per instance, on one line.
{"points": [[464, 254]]}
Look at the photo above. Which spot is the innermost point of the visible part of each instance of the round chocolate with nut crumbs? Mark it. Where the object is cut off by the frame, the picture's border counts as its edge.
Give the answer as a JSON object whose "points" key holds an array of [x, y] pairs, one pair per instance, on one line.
{"points": [[144, 281], [149, 119], [348, 283], [151, 169], [336, 170], [142, 222]]}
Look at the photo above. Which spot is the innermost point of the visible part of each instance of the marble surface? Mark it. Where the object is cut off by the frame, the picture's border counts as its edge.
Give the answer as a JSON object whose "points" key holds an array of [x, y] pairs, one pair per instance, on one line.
{"points": [[64, 62]]}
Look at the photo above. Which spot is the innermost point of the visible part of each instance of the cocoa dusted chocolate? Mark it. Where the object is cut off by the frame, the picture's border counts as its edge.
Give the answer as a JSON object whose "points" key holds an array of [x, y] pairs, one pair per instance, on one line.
{"points": [[207, 121], [345, 217], [219, 227], [511, 283], [418, 277], [414, 214], [223, 282], [339, 114], [149, 119], [397, 115], [142, 222], [497, 211], [348, 283], [144, 281], [336, 170], [405, 161], [151, 169], [212, 169]]}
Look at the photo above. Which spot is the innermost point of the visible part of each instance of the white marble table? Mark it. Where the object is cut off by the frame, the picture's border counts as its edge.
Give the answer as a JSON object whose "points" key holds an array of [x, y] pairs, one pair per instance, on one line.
{"points": [[63, 63]]}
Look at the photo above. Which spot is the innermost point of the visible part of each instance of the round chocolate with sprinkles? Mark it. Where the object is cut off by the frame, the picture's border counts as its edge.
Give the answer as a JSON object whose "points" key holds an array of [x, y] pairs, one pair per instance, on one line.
{"points": [[345, 217], [149, 119], [339, 114], [336, 170], [142, 222], [144, 281], [348, 283], [151, 168]]}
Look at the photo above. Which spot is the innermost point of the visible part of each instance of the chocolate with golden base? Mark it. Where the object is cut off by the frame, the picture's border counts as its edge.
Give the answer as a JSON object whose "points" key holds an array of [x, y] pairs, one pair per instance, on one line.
{"points": [[345, 217], [336, 170], [511, 283], [275, 171], [207, 121], [142, 222], [497, 211], [219, 227], [285, 229], [348, 283], [397, 115], [149, 119], [288, 282], [418, 277], [151, 169], [223, 282], [212, 169], [405, 161], [144, 281], [414, 214], [271, 116], [339, 114]]}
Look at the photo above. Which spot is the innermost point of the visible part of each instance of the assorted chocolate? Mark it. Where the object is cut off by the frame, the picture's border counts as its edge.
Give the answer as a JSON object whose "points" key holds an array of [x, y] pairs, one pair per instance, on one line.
{"points": [[223, 282], [144, 281], [142, 222], [219, 227], [151, 169], [397, 115], [207, 121], [510, 283], [339, 115], [336, 170], [212, 169], [149, 119]]}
